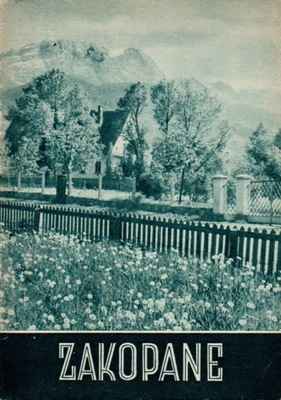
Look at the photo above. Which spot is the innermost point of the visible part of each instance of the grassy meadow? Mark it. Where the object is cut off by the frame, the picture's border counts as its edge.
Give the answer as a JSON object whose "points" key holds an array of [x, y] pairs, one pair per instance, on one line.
{"points": [[54, 282]]}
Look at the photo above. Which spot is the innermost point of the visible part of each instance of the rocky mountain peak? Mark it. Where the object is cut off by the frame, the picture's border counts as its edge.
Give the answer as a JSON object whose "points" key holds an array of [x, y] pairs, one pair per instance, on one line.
{"points": [[72, 49], [79, 60]]}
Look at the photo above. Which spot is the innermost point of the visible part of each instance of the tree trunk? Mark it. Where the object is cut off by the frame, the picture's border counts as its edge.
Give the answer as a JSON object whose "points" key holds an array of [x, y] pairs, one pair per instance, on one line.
{"points": [[19, 181], [172, 189], [100, 187], [134, 186], [182, 182], [43, 182], [69, 182]]}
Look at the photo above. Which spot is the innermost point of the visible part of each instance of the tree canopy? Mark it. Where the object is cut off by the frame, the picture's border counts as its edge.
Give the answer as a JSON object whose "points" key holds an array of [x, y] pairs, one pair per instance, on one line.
{"points": [[192, 130], [264, 153], [55, 119], [134, 102]]}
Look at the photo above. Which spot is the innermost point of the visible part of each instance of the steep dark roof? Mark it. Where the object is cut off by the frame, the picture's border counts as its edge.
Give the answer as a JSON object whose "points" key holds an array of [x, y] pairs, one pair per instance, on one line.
{"points": [[113, 123]]}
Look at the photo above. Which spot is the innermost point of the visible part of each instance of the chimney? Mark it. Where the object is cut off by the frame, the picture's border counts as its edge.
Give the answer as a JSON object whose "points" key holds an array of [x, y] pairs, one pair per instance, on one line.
{"points": [[100, 115]]}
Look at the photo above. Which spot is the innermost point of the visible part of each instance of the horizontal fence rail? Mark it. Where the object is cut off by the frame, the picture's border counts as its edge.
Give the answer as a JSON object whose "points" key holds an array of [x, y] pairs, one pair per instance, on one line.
{"points": [[261, 249]]}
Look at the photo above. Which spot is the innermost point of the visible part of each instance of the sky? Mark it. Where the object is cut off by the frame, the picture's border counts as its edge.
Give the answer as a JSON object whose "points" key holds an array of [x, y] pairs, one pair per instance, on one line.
{"points": [[234, 41]]}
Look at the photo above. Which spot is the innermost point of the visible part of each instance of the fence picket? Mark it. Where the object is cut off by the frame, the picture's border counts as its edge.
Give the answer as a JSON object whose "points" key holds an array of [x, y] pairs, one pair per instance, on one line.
{"points": [[214, 239], [139, 231], [206, 241], [262, 248], [175, 234], [233, 243], [96, 234], [169, 234], [271, 252], [102, 228], [124, 229], [278, 261], [159, 229], [163, 235], [255, 248], [187, 240], [198, 241], [221, 236], [148, 243], [134, 229], [191, 250], [180, 241], [227, 240], [248, 244]]}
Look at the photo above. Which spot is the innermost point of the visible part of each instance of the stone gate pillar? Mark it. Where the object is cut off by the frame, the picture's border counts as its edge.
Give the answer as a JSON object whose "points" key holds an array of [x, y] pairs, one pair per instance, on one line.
{"points": [[242, 194], [219, 194]]}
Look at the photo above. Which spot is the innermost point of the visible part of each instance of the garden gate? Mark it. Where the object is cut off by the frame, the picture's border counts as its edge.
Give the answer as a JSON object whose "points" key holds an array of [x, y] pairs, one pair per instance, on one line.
{"points": [[265, 198], [230, 197]]}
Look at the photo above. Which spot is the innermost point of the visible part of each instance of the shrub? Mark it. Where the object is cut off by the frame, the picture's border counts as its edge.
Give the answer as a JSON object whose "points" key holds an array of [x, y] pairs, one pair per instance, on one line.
{"points": [[150, 186], [61, 283]]}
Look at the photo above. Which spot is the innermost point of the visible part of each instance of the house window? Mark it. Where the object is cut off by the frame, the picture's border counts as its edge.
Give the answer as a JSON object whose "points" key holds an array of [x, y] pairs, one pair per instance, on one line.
{"points": [[98, 167]]}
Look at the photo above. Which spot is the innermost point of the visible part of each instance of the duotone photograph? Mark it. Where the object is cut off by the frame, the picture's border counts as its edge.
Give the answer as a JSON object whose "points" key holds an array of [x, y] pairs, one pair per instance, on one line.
{"points": [[140, 165]]}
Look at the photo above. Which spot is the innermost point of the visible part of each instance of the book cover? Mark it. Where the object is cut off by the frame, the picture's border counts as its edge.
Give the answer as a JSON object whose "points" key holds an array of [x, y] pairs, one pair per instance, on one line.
{"points": [[140, 199]]}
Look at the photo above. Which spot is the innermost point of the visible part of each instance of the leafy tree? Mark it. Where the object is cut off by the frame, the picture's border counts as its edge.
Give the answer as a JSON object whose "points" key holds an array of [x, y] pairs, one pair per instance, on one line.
{"points": [[274, 163], [74, 141], [133, 102], [35, 112], [264, 154], [25, 159], [170, 152], [257, 151], [277, 139], [192, 130], [199, 185], [4, 156], [58, 118], [164, 96]]}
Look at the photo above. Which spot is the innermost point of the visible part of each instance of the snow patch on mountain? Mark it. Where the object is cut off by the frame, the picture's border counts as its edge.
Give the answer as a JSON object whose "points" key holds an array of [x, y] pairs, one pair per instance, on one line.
{"points": [[82, 60], [104, 79]]}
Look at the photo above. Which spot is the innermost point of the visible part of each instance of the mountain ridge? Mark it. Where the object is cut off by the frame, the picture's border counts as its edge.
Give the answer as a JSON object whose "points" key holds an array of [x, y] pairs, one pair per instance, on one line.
{"points": [[104, 79], [76, 58]]}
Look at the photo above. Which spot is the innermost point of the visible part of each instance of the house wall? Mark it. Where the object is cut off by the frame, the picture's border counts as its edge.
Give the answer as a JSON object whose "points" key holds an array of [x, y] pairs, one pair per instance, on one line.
{"points": [[115, 162], [118, 149], [91, 169]]}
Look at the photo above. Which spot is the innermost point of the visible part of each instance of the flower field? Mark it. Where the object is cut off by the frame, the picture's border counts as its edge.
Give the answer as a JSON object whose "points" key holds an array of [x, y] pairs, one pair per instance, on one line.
{"points": [[55, 282]]}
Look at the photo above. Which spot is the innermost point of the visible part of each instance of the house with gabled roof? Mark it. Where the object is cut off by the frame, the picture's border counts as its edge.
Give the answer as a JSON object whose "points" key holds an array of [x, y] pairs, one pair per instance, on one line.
{"points": [[112, 132], [112, 126]]}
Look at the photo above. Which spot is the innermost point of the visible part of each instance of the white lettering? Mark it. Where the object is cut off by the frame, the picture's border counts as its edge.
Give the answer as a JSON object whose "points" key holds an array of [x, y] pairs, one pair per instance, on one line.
{"points": [[155, 360], [133, 366], [63, 376], [87, 358], [211, 363], [104, 365], [169, 356], [189, 360]]}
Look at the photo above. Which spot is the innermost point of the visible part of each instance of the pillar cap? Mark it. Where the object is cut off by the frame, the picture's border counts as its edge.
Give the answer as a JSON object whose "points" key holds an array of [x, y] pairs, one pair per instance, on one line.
{"points": [[244, 177]]}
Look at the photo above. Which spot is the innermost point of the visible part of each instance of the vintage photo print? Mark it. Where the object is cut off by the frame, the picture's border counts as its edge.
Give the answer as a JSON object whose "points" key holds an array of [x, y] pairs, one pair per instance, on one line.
{"points": [[140, 199]]}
